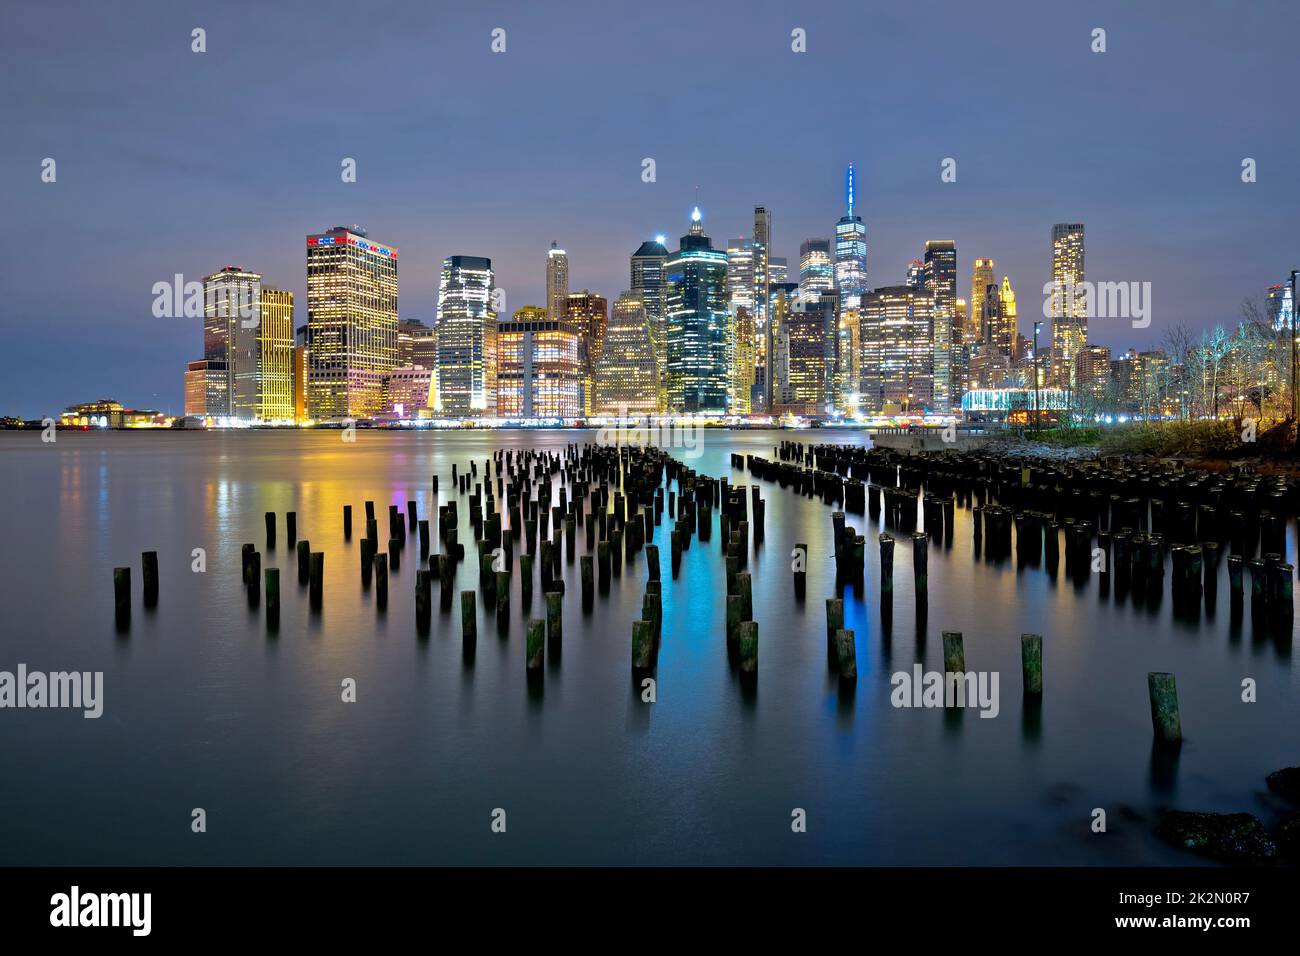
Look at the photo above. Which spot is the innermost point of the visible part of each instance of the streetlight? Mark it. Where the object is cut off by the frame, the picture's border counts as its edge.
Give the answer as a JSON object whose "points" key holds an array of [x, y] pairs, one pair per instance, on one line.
{"points": [[1037, 413]]}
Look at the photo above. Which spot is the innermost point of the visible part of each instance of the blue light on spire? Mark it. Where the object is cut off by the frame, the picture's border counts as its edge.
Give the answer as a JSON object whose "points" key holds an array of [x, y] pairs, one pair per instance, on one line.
{"points": [[849, 190]]}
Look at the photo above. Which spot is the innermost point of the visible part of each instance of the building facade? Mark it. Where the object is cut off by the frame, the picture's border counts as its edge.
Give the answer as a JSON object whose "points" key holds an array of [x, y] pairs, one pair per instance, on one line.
{"points": [[351, 322], [466, 338], [627, 380], [539, 366], [695, 284]]}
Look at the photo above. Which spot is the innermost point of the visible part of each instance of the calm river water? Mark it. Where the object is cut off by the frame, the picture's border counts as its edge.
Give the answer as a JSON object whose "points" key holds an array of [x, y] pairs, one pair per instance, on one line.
{"points": [[202, 709]]}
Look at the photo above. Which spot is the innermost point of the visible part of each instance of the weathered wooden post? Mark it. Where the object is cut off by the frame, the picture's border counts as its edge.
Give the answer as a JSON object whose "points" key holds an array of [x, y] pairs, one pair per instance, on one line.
{"points": [[526, 580], [502, 593], [1031, 663], [746, 592], [747, 646], [394, 554], [652, 562], [846, 656], [535, 644], [121, 596], [270, 531], [423, 599], [603, 556], [424, 538], [291, 527], [554, 619], [799, 567], [834, 616], [1165, 720], [272, 598], [954, 655], [149, 573], [381, 582], [316, 579], [921, 565], [643, 645], [304, 560], [887, 566], [468, 618], [347, 522], [254, 578]]}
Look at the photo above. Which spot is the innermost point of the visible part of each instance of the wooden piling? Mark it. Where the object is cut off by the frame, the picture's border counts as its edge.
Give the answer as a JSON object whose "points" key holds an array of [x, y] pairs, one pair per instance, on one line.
{"points": [[642, 645], [747, 646], [1165, 720], [347, 522], [954, 655], [272, 598], [121, 596], [468, 617], [149, 575], [381, 582], [423, 599], [834, 616], [846, 656], [270, 531], [316, 578], [534, 644], [1031, 663]]}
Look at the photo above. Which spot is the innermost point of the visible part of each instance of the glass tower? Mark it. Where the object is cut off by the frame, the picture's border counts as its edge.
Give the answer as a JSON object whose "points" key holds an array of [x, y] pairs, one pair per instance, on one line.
{"points": [[695, 286]]}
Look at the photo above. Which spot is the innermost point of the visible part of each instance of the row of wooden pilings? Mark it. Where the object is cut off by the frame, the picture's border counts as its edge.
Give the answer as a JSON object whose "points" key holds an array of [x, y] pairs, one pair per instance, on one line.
{"points": [[994, 522]]}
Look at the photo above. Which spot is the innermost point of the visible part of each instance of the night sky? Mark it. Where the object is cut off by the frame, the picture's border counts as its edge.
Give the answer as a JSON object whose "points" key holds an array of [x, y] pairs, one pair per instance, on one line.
{"points": [[171, 161]]}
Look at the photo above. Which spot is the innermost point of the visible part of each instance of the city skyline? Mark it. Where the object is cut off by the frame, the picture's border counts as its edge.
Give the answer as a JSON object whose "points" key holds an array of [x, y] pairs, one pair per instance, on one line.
{"points": [[1158, 204]]}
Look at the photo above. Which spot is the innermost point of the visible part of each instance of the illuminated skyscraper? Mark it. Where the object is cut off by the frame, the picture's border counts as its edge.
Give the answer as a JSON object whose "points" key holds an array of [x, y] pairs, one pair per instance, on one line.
{"points": [[897, 350], [416, 345], [941, 282], [1004, 336], [467, 338], [538, 369], [695, 282], [1068, 306], [648, 286], [557, 282], [248, 332], [760, 245], [351, 323], [588, 315], [1278, 306], [982, 276], [740, 273], [627, 378], [816, 271], [808, 341], [230, 298], [850, 250]]}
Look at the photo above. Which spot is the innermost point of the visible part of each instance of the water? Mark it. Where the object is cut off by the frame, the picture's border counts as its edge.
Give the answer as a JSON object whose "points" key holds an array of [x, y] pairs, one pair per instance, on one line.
{"points": [[203, 710]]}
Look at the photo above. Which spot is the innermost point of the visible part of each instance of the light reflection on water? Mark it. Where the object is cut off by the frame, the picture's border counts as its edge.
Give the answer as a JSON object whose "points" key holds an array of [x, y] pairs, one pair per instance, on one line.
{"points": [[202, 709]]}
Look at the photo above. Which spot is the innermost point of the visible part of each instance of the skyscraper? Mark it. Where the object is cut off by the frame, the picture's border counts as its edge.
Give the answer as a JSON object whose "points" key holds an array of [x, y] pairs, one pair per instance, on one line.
{"points": [[416, 345], [850, 249], [941, 282], [808, 335], [627, 377], [229, 300], [816, 270], [897, 350], [538, 371], [588, 315], [557, 281], [695, 282], [648, 286], [467, 338], [1068, 306], [248, 347], [761, 274], [351, 322], [982, 276]]}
